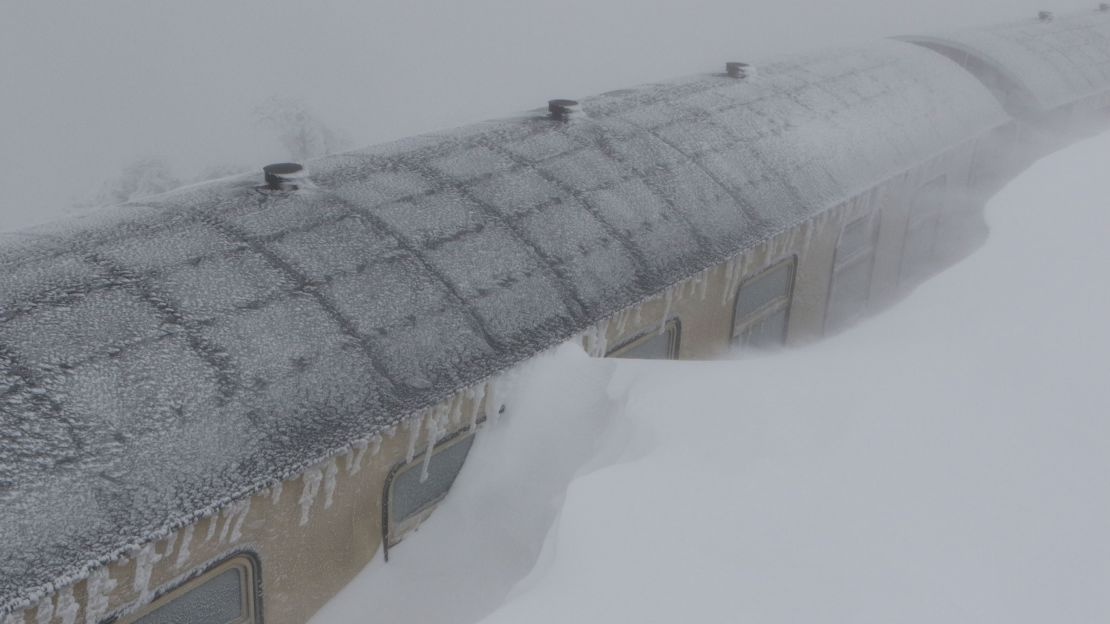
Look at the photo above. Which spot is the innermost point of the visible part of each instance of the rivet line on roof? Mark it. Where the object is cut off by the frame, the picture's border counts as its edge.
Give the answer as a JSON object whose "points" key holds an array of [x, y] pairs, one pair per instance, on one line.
{"points": [[304, 285], [638, 256], [168, 314], [653, 185], [411, 249], [569, 295]]}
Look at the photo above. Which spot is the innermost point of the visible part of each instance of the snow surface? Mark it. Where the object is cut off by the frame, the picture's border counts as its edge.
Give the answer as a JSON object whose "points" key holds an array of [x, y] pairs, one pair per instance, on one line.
{"points": [[945, 461]]}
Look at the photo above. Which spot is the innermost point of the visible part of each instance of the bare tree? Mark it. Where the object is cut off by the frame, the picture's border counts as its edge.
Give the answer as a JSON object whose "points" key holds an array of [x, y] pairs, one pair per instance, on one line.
{"points": [[302, 134], [147, 176]]}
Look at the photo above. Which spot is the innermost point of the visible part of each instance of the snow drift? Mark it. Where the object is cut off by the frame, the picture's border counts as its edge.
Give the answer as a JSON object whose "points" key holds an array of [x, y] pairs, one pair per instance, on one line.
{"points": [[943, 461]]}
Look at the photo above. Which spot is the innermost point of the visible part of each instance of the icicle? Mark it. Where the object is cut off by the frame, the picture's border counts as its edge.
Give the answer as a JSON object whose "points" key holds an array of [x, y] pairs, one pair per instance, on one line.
{"points": [[169, 543], [596, 338], [737, 268], [275, 493], [234, 516], [584, 339], [603, 337], [144, 567], [730, 268], [437, 428], [475, 395], [454, 417], [668, 299], [329, 483], [183, 551], [212, 522], [311, 479], [44, 612], [99, 587], [67, 606], [237, 531], [703, 285], [354, 458], [413, 426], [375, 445], [493, 399], [229, 516], [622, 321]]}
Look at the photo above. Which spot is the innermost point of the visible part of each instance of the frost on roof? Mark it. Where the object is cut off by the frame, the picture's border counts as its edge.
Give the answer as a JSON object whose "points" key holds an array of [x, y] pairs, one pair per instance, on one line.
{"points": [[157, 360], [1035, 65]]}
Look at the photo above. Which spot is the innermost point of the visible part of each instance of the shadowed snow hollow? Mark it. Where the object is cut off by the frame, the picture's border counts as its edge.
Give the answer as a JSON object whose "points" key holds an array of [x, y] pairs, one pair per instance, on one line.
{"points": [[946, 460]]}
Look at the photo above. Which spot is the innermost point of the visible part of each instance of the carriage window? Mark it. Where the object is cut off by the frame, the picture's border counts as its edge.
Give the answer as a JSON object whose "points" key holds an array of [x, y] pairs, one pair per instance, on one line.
{"points": [[412, 493], [653, 345], [763, 306], [921, 230], [851, 279], [223, 595], [857, 238]]}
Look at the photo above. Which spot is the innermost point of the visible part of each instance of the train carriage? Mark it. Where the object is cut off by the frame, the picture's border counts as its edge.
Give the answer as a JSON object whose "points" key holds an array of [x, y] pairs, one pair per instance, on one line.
{"points": [[220, 403], [1051, 74]]}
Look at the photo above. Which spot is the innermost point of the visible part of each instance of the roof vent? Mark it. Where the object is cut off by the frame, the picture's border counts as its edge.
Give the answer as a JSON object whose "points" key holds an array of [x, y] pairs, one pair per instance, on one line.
{"points": [[1104, 6], [739, 70], [1046, 16], [565, 110], [285, 176]]}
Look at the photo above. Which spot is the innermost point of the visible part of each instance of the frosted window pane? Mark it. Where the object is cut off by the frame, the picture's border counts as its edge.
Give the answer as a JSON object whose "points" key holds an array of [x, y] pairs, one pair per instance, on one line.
{"points": [[848, 298], [759, 292], [653, 347], [857, 237], [218, 600], [918, 251], [769, 332], [410, 495]]}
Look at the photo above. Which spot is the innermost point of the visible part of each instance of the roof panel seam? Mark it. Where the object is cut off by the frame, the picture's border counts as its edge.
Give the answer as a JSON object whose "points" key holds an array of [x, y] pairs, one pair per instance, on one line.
{"points": [[138, 284], [567, 293], [10, 365], [605, 146], [741, 203], [635, 252], [305, 285], [410, 248]]}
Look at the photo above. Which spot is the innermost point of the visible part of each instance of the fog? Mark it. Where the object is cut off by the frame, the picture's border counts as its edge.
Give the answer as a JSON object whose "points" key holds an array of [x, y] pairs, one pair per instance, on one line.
{"points": [[944, 461], [90, 88]]}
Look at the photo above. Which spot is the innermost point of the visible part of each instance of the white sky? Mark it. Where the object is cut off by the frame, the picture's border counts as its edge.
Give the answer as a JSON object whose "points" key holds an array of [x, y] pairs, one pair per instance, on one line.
{"points": [[944, 461], [88, 87]]}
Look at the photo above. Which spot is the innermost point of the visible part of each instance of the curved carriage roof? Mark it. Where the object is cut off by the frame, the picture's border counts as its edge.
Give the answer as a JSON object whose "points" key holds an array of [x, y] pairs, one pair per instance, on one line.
{"points": [[163, 358], [1033, 65]]}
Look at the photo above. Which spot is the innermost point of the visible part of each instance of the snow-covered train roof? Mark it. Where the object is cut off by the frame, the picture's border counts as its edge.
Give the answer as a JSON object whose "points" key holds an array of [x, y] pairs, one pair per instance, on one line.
{"points": [[162, 358], [1035, 65]]}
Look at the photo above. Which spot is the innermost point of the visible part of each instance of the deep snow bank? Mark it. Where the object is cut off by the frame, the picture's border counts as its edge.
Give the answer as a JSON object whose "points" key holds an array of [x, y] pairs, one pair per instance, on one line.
{"points": [[944, 461]]}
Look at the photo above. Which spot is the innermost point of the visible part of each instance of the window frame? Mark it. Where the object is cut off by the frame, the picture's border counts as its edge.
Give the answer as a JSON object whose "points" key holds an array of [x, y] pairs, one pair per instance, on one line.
{"points": [[737, 337], [842, 264], [394, 532], [923, 215], [672, 328], [251, 606]]}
